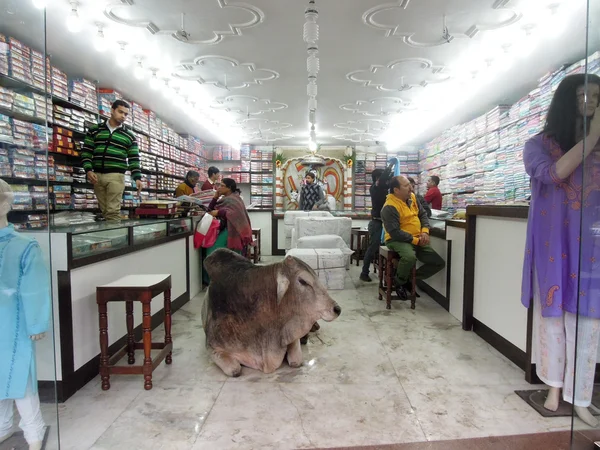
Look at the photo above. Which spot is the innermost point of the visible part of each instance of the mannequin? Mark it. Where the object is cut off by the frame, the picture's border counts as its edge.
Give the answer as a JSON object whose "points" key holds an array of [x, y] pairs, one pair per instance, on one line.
{"points": [[24, 318], [561, 252]]}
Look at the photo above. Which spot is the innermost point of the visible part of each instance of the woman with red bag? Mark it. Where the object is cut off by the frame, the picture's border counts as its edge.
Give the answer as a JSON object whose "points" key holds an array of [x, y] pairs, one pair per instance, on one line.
{"points": [[235, 231]]}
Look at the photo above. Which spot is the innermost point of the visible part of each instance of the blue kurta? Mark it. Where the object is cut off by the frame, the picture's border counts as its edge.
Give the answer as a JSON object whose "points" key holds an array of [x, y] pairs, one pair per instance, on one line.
{"points": [[24, 310]]}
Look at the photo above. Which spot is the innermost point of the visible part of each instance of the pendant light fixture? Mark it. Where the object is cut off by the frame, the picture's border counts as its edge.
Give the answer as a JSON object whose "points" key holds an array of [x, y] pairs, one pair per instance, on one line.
{"points": [[154, 81], [122, 56], [74, 24], [139, 71], [100, 43], [311, 37]]}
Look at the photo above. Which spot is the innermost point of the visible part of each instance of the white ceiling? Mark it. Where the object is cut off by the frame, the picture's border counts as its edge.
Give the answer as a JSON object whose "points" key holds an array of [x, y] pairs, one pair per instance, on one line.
{"points": [[383, 66]]}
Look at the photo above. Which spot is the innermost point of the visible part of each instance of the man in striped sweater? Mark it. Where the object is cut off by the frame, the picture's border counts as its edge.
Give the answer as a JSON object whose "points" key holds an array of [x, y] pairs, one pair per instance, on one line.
{"points": [[109, 150]]}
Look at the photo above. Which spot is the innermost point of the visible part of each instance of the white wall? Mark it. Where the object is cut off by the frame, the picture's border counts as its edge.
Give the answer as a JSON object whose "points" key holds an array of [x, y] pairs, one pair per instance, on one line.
{"points": [[438, 281], [262, 220], [499, 252], [457, 270], [167, 258], [195, 270]]}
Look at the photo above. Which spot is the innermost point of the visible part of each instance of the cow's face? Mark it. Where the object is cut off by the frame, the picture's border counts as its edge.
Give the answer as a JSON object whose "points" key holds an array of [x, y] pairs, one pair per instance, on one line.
{"points": [[299, 288]]}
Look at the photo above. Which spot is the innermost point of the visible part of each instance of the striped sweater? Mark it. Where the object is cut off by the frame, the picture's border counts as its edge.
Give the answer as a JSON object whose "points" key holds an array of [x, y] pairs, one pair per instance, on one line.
{"points": [[106, 152]]}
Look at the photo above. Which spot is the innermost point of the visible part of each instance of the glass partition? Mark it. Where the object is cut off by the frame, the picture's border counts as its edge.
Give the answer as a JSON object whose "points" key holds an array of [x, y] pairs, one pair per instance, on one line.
{"points": [[29, 374], [583, 328]]}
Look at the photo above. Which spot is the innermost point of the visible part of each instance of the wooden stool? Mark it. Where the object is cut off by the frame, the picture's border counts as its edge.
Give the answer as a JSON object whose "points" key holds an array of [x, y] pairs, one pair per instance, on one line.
{"points": [[362, 243], [388, 262], [131, 288], [254, 254]]}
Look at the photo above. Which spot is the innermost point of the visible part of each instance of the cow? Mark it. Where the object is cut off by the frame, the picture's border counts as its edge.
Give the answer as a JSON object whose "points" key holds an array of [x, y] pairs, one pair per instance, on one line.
{"points": [[254, 315]]}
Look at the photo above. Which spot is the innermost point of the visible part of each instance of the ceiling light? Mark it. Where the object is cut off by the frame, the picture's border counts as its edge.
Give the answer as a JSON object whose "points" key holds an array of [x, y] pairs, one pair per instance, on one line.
{"points": [[139, 71], [100, 43], [40, 4], [122, 56], [74, 24], [154, 81], [312, 146]]}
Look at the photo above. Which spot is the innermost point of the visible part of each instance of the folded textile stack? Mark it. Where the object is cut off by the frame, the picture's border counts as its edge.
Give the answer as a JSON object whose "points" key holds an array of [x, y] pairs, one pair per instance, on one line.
{"points": [[64, 142], [39, 72], [140, 118], [61, 197], [60, 83], [23, 199], [83, 198], [19, 61], [83, 92], [4, 55]]}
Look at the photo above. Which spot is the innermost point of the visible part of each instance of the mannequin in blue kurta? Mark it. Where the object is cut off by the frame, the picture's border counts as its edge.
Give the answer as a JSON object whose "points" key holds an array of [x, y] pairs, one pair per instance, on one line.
{"points": [[24, 318]]}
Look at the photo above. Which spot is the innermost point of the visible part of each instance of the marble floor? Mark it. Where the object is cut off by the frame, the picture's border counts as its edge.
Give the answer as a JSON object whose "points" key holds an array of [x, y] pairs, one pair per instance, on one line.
{"points": [[371, 377]]}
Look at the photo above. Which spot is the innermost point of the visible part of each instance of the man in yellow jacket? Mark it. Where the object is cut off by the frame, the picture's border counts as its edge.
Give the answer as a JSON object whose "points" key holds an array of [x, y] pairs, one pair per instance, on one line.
{"points": [[407, 233]]}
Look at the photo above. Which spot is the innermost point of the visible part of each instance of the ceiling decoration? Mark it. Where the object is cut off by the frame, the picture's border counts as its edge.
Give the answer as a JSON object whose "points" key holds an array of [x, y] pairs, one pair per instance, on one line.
{"points": [[364, 125], [223, 72], [359, 138], [311, 37], [246, 105], [436, 24], [263, 129], [261, 123], [219, 19], [400, 75], [378, 107], [268, 136]]}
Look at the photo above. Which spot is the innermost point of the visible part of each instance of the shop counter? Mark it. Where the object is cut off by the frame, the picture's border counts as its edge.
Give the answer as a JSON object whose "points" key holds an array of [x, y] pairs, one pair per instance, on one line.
{"points": [[85, 256], [495, 243]]}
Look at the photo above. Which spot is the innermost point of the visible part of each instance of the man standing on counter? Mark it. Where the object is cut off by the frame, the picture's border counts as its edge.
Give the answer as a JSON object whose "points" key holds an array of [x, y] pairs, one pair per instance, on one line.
{"points": [[378, 191], [433, 195], [109, 150], [407, 233]]}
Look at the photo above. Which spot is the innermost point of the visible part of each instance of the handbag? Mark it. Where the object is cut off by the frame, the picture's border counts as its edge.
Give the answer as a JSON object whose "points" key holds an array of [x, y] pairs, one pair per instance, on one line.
{"points": [[206, 232]]}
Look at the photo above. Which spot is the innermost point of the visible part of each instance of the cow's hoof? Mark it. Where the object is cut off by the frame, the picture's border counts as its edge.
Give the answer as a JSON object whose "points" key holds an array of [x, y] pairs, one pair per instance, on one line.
{"points": [[295, 365], [304, 340], [315, 327], [237, 373]]}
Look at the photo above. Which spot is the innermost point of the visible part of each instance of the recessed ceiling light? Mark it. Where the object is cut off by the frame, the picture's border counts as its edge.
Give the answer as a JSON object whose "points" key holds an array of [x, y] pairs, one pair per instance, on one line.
{"points": [[74, 24]]}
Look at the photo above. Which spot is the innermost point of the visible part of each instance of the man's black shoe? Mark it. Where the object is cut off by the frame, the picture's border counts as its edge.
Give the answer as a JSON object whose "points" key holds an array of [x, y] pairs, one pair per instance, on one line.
{"points": [[364, 277], [401, 293], [408, 288]]}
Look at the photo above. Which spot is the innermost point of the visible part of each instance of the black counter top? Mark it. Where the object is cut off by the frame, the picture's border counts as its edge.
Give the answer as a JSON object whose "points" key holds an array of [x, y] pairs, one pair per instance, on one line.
{"points": [[519, 211]]}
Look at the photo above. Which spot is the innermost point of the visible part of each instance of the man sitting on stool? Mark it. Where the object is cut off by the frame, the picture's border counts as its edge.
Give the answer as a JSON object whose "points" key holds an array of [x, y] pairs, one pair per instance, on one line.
{"points": [[407, 233]]}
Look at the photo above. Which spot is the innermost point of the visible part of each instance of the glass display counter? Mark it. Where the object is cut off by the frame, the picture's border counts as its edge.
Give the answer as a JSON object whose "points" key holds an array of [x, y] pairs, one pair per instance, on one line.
{"points": [[99, 241]]}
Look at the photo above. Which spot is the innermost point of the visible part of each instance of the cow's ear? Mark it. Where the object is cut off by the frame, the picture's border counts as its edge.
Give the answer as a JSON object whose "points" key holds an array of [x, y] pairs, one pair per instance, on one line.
{"points": [[283, 283]]}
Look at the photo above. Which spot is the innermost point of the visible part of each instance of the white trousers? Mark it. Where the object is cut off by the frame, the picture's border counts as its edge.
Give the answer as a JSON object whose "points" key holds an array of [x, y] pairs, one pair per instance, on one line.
{"points": [[555, 356], [31, 423]]}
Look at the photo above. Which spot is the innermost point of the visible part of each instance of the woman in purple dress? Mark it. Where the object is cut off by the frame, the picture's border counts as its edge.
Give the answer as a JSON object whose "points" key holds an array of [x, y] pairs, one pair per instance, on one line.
{"points": [[557, 273]]}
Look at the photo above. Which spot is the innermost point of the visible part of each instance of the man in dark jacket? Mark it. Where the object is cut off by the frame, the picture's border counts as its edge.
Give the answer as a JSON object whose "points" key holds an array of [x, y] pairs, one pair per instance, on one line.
{"points": [[420, 198], [378, 191]]}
